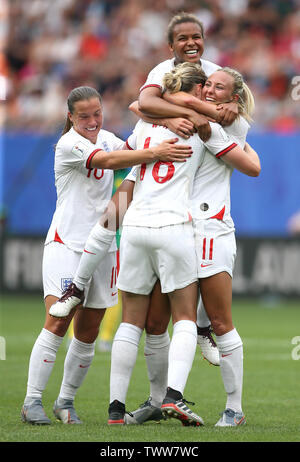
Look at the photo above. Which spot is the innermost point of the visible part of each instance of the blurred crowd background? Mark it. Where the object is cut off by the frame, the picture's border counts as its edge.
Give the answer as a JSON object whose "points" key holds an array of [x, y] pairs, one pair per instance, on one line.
{"points": [[48, 47], [55, 45]]}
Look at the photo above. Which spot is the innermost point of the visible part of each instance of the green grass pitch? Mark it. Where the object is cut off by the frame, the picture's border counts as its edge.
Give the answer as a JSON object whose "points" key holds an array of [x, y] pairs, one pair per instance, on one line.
{"points": [[270, 397]]}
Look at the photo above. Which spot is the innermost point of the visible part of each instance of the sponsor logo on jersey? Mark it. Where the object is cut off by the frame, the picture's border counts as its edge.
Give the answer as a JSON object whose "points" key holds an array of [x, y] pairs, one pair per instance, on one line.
{"points": [[65, 282]]}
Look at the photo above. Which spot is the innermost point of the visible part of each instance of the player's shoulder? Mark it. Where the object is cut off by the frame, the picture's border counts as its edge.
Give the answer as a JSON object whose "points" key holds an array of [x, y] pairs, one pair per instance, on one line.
{"points": [[239, 126], [166, 65], [69, 139], [209, 67], [241, 122], [105, 135], [109, 141], [218, 133]]}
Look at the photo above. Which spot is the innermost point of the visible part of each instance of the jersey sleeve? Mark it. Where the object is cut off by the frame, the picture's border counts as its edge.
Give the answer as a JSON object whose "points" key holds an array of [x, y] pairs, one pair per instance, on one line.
{"points": [[116, 143], [131, 141], [72, 153], [132, 174], [219, 142], [156, 76], [238, 131]]}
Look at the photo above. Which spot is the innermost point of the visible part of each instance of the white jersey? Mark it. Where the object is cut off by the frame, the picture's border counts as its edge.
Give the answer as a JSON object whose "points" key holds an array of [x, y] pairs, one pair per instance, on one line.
{"points": [[211, 191], [162, 191], [82, 191], [155, 77]]}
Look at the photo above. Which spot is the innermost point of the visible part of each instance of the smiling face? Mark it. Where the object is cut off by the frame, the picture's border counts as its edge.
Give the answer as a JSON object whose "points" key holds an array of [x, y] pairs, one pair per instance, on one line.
{"points": [[188, 43], [218, 88], [87, 118]]}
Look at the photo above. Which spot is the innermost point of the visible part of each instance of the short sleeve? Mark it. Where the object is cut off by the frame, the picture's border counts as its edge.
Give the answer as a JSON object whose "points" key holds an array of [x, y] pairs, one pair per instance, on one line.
{"points": [[117, 143], [131, 141], [73, 152], [156, 76], [132, 174], [219, 142]]}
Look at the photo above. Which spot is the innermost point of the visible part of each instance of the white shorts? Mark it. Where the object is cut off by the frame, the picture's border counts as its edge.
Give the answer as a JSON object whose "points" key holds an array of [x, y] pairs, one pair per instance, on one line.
{"points": [[166, 253], [216, 252], [59, 268]]}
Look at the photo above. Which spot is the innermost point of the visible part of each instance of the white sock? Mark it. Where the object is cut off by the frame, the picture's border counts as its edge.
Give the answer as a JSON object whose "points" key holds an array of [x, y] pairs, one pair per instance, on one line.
{"points": [[96, 247], [41, 363], [231, 364], [181, 353], [123, 357], [202, 318], [156, 352], [78, 360]]}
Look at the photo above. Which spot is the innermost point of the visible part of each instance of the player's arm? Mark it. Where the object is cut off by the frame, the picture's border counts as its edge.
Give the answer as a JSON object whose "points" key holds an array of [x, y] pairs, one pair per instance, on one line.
{"points": [[112, 217], [224, 113], [225, 148], [183, 99], [179, 125], [245, 160], [167, 151], [152, 104]]}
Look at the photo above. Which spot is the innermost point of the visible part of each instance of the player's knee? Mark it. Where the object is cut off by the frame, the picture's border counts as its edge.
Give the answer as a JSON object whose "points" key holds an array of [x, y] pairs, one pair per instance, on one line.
{"points": [[153, 329], [87, 335], [221, 326], [57, 326]]}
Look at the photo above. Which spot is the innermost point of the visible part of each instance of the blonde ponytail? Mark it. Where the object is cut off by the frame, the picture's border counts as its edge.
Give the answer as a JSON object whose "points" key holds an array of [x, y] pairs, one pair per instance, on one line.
{"points": [[184, 77]]}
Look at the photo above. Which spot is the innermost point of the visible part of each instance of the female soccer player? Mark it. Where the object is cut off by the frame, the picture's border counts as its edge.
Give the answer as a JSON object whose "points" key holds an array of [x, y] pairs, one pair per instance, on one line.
{"points": [[85, 157], [150, 250]]}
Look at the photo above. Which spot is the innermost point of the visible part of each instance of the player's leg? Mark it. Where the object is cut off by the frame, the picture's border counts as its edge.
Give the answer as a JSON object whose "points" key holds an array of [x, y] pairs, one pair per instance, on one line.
{"points": [[124, 352], [177, 269], [58, 264], [205, 339], [181, 354], [96, 247], [157, 342], [77, 362], [41, 363], [156, 351], [136, 281], [217, 295], [101, 292]]}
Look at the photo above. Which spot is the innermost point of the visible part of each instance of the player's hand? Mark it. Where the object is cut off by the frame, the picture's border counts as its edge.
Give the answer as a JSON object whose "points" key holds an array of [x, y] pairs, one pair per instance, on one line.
{"points": [[202, 126], [228, 113], [182, 127], [170, 151]]}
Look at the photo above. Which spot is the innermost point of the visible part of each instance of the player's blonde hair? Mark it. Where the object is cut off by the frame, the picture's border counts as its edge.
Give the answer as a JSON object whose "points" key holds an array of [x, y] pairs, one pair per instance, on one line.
{"points": [[79, 94], [181, 18], [183, 77], [246, 104]]}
